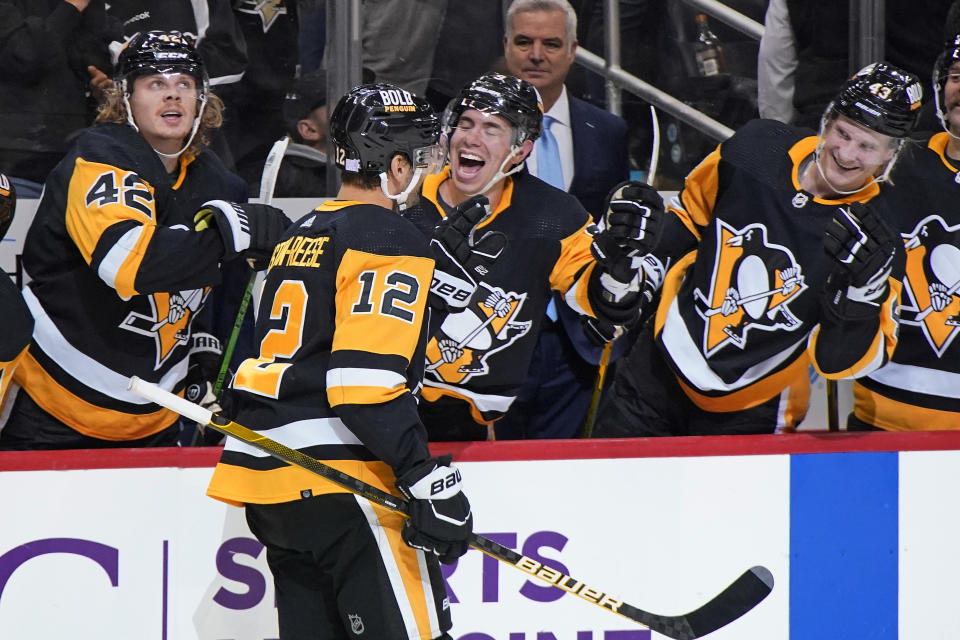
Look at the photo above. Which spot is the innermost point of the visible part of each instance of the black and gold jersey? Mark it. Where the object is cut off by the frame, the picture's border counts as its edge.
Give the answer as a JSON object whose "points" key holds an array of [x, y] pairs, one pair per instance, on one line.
{"points": [[341, 328], [15, 337], [481, 355], [744, 247], [920, 387], [116, 278]]}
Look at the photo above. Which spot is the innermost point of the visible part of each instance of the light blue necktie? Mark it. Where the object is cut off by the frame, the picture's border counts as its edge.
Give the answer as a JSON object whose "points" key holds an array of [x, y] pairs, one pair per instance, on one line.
{"points": [[548, 156], [550, 171]]}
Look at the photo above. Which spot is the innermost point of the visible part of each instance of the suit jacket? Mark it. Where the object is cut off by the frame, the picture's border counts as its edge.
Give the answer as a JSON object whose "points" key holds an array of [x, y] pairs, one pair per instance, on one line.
{"points": [[599, 154], [599, 164]]}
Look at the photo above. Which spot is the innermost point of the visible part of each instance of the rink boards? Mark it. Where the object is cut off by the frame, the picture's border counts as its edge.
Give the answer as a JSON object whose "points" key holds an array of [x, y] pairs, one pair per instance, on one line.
{"points": [[860, 538]]}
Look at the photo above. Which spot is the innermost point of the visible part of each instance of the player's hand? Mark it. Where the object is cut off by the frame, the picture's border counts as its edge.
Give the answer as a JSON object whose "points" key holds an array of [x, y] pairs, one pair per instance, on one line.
{"points": [[247, 230], [862, 247], [440, 521], [634, 216], [462, 258]]}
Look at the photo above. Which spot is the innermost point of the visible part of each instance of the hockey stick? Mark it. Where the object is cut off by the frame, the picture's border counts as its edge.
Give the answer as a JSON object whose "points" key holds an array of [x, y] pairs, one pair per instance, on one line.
{"points": [[833, 408], [597, 390], [737, 599], [268, 180]]}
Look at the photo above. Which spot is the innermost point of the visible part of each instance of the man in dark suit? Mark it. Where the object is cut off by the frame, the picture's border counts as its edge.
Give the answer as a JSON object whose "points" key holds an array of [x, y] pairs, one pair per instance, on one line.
{"points": [[583, 150]]}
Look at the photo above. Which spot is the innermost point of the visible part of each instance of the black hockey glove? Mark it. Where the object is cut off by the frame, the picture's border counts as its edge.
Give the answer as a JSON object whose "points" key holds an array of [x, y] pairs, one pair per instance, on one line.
{"points": [[247, 230], [614, 288], [205, 356], [440, 521], [461, 258], [634, 216], [862, 247], [600, 332]]}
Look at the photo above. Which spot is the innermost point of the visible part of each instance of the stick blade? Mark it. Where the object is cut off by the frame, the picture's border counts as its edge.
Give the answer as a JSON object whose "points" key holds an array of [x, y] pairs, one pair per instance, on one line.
{"points": [[741, 596]]}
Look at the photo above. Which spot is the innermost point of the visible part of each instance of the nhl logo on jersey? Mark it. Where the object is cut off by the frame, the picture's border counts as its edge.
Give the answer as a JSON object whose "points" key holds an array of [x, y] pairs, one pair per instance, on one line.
{"points": [[356, 623], [956, 177], [800, 200]]}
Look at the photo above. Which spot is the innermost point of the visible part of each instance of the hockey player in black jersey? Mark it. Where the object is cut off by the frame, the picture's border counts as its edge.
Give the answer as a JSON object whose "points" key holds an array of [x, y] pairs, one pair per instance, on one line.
{"points": [[919, 388], [342, 329], [117, 272], [749, 300], [17, 321], [478, 358]]}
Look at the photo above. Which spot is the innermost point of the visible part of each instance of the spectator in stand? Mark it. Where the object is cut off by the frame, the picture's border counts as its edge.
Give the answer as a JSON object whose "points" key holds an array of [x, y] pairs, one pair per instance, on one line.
{"points": [[254, 106], [750, 299], [583, 151], [470, 43], [804, 52], [399, 38], [47, 50], [17, 321], [303, 172], [118, 273], [917, 389], [212, 22]]}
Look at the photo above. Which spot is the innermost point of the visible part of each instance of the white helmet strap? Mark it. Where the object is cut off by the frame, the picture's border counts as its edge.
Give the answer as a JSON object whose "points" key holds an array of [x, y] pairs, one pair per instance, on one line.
{"points": [[501, 173], [401, 198]]}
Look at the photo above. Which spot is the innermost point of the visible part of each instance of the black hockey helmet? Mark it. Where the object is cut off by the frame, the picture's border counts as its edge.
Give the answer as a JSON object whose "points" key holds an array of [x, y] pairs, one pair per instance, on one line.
{"points": [[374, 122], [941, 70], [149, 52], [8, 204], [882, 98], [514, 99]]}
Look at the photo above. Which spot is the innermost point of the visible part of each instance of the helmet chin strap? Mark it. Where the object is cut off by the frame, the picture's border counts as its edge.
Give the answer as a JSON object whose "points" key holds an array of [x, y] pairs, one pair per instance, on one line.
{"points": [[193, 130], [400, 198], [500, 174]]}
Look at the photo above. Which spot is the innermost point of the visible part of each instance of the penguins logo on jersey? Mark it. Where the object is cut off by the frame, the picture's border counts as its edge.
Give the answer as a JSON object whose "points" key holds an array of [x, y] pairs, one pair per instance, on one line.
{"points": [[169, 321], [932, 281], [466, 339], [752, 284], [267, 10]]}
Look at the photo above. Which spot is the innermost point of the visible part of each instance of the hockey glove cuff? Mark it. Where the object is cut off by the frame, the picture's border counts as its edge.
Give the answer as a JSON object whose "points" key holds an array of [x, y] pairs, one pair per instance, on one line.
{"points": [[248, 230], [440, 520], [615, 285]]}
